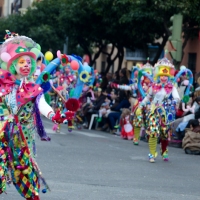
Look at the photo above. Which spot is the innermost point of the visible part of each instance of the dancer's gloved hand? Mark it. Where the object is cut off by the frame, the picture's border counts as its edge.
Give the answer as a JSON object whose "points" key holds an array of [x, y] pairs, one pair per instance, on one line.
{"points": [[62, 118]]}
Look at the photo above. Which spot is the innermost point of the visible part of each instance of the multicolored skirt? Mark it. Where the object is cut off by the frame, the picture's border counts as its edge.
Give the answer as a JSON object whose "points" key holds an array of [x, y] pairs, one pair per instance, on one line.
{"points": [[16, 163]]}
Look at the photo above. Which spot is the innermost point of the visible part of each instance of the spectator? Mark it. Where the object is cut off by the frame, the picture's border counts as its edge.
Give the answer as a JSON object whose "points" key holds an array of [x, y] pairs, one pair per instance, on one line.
{"points": [[113, 117], [126, 124], [94, 107], [104, 124], [179, 125], [105, 80], [123, 95], [115, 77], [104, 110]]}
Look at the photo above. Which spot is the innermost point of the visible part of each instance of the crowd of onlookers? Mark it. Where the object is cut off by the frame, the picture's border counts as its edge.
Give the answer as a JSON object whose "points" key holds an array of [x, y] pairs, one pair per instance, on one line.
{"points": [[109, 103]]}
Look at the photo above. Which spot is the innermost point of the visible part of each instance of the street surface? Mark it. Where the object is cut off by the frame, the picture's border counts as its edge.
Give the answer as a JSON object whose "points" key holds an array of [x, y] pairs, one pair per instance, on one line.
{"points": [[94, 165]]}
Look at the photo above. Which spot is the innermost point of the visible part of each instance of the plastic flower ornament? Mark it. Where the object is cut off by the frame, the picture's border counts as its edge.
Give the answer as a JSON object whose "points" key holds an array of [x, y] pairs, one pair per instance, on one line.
{"points": [[84, 76], [64, 60]]}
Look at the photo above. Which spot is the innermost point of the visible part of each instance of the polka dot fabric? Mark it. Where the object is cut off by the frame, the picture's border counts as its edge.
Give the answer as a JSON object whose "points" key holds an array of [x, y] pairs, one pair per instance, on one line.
{"points": [[27, 92]]}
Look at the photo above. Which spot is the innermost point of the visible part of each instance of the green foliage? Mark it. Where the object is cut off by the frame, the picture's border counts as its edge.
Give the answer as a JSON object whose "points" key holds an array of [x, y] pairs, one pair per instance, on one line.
{"points": [[93, 24]]}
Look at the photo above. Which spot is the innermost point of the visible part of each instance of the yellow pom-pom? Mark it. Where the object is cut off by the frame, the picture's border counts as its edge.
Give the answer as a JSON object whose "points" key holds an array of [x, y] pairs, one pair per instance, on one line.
{"points": [[48, 56], [138, 111]]}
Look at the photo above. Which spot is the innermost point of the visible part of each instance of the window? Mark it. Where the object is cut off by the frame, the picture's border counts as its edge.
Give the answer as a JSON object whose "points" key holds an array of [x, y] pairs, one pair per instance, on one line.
{"points": [[15, 6], [192, 57]]}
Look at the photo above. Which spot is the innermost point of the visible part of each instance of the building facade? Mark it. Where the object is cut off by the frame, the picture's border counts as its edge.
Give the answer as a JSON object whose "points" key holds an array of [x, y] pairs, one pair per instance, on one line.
{"points": [[8, 7], [191, 57]]}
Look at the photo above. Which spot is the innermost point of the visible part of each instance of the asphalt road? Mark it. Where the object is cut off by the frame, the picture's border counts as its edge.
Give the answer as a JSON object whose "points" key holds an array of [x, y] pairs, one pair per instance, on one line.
{"points": [[93, 165]]}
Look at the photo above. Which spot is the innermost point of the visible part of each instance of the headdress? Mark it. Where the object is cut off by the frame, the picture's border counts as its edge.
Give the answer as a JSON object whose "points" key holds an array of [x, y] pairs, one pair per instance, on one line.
{"points": [[16, 46], [148, 68], [164, 68]]}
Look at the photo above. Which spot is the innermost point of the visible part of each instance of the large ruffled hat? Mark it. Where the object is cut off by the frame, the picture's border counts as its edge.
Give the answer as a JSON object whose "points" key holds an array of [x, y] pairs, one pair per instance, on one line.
{"points": [[164, 68], [16, 46], [148, 68]]}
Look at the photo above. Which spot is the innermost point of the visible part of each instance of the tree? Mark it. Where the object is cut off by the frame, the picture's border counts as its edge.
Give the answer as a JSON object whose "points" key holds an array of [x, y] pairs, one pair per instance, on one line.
{"points": [[38, 24], [93, 24]]}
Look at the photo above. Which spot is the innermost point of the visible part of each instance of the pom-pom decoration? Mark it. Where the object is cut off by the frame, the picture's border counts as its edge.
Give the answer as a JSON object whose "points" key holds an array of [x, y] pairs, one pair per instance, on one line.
{"points": [[186, 82], [74, 65], [44, 190], [72, 104], [29, 44], [38, 46], [35, 51], [186, 99], [46, 86], [5, 57], [182, 67], [48, 56], [3, 65], [45, 76], [59, 54]]}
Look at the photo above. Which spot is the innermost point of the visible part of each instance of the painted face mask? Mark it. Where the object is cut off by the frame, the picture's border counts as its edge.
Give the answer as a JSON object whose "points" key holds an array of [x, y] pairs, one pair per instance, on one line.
{"points": [[23, 66], [163, 79]]}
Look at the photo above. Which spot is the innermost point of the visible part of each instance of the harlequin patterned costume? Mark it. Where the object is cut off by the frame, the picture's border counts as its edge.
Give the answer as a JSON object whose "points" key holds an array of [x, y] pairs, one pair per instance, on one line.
{"points": [[139, 120], [21, 102], [162, 97]]}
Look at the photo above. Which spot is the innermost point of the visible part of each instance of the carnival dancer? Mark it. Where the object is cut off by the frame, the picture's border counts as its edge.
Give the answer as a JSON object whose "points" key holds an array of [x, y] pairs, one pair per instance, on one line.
{"points": [[139, 120], [23, 102], [163, 97]]}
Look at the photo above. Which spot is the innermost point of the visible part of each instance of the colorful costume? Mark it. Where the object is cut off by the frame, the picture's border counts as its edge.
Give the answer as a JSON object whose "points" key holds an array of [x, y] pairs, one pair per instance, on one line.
{"points": [[21, 102], [162, 98], [145, 82]]}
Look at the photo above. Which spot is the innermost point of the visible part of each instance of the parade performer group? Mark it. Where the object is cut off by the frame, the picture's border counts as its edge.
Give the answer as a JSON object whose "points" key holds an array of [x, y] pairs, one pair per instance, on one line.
{"points": [[23, 92]]}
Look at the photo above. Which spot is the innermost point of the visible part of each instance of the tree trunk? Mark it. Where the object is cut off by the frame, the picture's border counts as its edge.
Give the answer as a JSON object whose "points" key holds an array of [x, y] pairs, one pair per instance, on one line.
{"points": [[109, 59], [97, 54], [160, 49], [120, 58]]}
